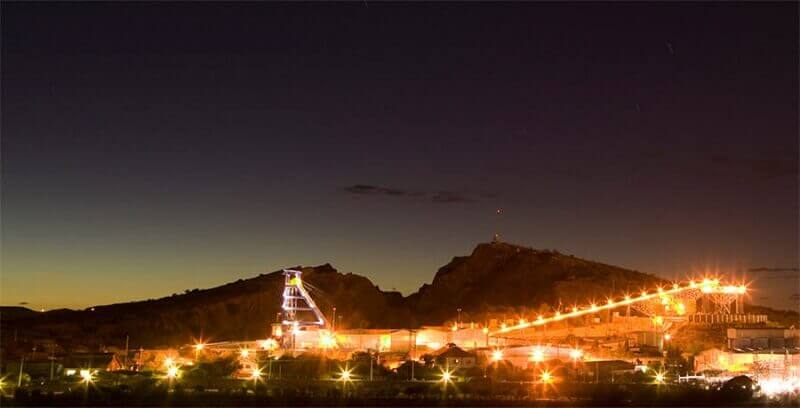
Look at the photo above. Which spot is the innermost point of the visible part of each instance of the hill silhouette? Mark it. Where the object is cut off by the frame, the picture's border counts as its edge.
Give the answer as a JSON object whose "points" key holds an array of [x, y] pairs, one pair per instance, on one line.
{"points": [[504, 278], [496, 278]]}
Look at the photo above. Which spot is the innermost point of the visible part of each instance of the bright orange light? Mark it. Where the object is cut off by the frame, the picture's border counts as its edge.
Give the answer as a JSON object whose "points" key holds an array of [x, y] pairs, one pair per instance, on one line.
{"points": [[268, 344], [680, 308], [667, 337], [485, 330], [256, 374], [172, 372], [644, 293], [575, 354], [537, 355], [199, 346], [345, 375], [244, 353], [86, 376], [546, 377], [497, 355], [447, 376], [327, 340], [574, 309], [168, 362]]}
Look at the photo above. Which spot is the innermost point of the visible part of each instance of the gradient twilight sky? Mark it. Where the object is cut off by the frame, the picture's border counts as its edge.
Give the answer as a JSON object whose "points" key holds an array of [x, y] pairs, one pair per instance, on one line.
{"points": [[152, 148]]}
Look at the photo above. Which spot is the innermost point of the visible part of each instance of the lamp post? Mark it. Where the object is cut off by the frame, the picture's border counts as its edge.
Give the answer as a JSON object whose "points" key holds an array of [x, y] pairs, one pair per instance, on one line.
{"points": [[86, 379], [197, 349], [370, 365], [19, 377], [413, 334], [172, 374], [345, 376], [545, 378], [255, 375]]}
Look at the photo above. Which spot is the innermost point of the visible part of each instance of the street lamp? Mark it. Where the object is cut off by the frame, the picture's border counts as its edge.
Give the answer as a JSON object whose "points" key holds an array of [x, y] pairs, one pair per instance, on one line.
{"points": [[268, 344], [86, 379], [172, 372], [447, 376], [255, 375], [345, 375], [497, 355], [198, 347], [86, 376], [537, 355], [545, 378]]}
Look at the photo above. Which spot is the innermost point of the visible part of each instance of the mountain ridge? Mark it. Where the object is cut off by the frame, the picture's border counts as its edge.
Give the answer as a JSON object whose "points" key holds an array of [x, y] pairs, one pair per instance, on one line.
{"points": [[496, 279]]}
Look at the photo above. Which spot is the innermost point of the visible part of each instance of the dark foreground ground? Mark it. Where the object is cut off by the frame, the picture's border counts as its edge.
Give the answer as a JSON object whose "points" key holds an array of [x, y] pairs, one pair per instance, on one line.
{"points": [[416, 395]]}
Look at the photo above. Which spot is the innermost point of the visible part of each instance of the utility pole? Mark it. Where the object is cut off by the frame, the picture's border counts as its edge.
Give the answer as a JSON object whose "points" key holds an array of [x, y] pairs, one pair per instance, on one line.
{"points": [[333, 324], [52, 360], [413, 352], [21, 364], [370, 365], [127, 338]]}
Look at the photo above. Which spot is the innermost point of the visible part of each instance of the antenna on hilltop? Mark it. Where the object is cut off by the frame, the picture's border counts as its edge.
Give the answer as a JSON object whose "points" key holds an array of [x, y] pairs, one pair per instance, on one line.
{"points": [[496, 235]]}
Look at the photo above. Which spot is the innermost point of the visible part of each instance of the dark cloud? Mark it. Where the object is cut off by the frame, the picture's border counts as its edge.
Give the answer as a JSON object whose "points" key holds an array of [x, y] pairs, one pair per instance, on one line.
{"points": [[766, 269], [439, 197], [366, 189]]}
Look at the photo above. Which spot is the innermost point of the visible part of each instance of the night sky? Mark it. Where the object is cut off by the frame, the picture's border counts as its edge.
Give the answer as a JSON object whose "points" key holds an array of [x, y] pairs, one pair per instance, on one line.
{"points": [[152, 148]]}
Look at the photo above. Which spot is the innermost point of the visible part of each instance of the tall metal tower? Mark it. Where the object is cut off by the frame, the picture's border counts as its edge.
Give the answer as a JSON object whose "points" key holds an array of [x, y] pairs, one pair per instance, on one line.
{"points": [[298, 307]]}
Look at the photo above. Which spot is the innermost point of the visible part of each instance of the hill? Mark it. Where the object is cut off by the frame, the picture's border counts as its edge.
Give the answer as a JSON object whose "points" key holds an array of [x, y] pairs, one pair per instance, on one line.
{"points": [[495, 279], [504, 278], [240, 310], [16, 312]]}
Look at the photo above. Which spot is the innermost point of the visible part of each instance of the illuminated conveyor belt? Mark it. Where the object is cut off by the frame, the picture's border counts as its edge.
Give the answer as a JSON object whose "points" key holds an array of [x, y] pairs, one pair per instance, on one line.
{"points": [[706, 286]]}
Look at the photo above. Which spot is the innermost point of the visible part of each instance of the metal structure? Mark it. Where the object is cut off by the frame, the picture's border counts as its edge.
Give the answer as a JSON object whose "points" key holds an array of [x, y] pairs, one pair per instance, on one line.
{"points": [[299, 309], [674, 302]]}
